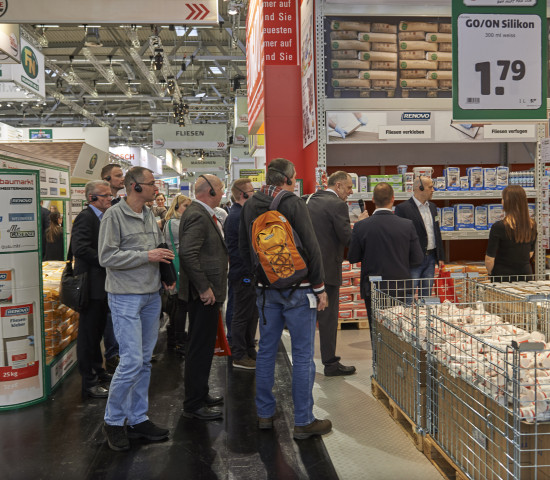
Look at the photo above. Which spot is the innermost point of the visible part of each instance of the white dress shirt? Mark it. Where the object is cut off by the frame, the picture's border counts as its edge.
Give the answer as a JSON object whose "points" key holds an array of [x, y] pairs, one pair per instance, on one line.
{"points": [[424, 209]]}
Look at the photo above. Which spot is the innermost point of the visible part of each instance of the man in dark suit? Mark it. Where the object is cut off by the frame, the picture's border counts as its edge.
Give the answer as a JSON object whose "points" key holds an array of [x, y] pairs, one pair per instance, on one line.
{"points": [[203, 284], [84, 240], [386, 245], [330, 218], [423, 214]]}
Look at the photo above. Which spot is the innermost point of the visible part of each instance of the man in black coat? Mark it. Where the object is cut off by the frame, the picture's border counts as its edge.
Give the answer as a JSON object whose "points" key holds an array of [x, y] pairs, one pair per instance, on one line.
{"points": [[386, 245], [84, 240], [423, 214], [330, 218]]}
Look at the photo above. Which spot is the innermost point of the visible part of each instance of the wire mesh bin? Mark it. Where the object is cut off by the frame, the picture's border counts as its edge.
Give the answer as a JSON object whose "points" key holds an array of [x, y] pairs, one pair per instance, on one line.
{"points": [[488, 389], [399, 340]]}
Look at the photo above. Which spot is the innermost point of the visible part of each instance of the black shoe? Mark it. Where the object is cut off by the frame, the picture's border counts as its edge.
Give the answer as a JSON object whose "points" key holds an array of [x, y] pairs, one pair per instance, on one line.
{"points": [[212, 401], [97, 391], [338, 369], [148, 430], [116, 437], [204, 413], [105, 377], [112, 363]]}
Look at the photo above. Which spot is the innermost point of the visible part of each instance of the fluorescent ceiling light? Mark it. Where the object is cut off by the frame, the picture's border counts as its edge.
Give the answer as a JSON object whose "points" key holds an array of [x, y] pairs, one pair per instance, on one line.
{"points": [[200, 95], [216, 70]]}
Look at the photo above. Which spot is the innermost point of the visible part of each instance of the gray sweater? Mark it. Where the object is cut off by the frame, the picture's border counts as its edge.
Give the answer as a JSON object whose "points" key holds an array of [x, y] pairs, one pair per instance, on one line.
{"points": [[125, 237]]}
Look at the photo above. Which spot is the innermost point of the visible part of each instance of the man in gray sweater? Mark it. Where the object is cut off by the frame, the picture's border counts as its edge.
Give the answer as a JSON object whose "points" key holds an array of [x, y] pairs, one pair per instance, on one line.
{"points": [[128, 240]]}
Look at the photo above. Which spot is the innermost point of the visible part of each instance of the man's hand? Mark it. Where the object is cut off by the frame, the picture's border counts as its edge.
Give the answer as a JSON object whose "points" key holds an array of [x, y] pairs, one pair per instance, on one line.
{"points": [[168, 287], [208, 297], [322, 301], [161, 255], [364, 214]]}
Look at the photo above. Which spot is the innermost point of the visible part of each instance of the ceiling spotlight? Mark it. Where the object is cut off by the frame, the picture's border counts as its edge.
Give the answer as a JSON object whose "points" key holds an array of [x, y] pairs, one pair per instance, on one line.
{"points": [[200, 94], [91, 38], [181, 121], [171, 85], [201, 156], [158, 59]]}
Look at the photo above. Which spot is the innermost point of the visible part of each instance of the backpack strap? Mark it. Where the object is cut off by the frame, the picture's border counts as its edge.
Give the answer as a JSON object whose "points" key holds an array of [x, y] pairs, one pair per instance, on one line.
{"points": [[277, 200], [309, 197]]}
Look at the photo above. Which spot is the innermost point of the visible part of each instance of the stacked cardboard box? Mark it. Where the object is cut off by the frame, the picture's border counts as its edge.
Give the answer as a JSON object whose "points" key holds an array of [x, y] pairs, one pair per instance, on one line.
{"points": [[60, 322], [352, 307]]}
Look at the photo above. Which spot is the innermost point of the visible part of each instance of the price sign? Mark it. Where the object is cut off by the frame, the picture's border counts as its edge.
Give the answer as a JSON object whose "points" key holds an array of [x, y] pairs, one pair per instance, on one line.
{"points": [[499, 67]]}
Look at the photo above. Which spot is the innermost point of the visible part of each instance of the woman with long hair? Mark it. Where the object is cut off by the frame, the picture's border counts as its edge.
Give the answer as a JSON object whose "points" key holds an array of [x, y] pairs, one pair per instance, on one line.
{"points": [[54, 238], [177, 309], [512, 240]]}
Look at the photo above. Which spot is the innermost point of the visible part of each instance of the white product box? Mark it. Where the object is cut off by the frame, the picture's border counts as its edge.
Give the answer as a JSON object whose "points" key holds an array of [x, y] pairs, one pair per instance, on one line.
{"points": [[532, 210], [423, 171], [464, 216], [447, 219], [489, 178], [6, 286], [452, 177], [17, 320], [20, 353], [475, 178], [363, 184], [439, 183], [502, 177], [409, 187], [408, 177], [464, 183], [494, 213], [480, 217], [355, 182]]}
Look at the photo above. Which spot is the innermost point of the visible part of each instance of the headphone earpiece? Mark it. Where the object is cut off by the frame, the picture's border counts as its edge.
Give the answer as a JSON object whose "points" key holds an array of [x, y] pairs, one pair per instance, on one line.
{"points": [[93, 198], [421, 186], [288, 180], [212, 191], [108, 178], [177, 206], [245, 195], [138, 188]]}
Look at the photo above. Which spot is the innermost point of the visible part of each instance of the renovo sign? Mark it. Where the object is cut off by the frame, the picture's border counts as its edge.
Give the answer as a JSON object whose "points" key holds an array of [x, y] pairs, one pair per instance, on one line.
{"points": [[29, 61]]}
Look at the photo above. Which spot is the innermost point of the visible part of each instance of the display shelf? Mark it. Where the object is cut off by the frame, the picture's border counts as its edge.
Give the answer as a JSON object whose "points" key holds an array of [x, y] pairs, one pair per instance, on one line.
{"points": [[465, 235], [446, 195]]}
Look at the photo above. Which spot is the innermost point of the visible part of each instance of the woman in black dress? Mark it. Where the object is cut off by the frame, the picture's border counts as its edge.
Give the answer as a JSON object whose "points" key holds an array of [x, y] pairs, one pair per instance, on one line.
{"points": [[54, 238], [512, 240]]}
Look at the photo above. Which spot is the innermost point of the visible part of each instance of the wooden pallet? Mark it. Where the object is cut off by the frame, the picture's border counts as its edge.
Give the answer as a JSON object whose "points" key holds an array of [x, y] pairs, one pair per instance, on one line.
{"points": [[401, 418], [363, 323], [441, 460]]}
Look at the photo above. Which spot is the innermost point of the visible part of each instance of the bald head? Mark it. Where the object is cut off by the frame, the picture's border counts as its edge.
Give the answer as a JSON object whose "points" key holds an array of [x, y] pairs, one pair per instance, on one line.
{"points": [[204, 186], [423, 188]]}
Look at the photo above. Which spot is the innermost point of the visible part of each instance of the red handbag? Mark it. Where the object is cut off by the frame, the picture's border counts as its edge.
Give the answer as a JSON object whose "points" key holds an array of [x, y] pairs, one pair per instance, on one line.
{"points": [[222, 347]]}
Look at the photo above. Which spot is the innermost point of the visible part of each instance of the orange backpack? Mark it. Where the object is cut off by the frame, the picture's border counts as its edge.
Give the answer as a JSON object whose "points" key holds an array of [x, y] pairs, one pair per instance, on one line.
{"points": [[276, 248]]}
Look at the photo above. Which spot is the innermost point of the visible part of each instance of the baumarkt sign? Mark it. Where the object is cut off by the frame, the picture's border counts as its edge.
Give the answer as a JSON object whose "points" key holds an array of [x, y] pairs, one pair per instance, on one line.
{"points": [[188, 12]]}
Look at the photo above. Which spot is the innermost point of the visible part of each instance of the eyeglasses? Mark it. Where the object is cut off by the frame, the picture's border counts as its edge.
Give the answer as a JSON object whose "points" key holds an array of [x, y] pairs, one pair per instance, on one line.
{"points": [[104, 195], [149, 183]]}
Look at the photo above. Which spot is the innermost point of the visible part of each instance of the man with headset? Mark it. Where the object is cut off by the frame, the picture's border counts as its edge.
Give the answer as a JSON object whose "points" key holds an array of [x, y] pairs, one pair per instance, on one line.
{"points": [[203, 285], [423, 214], [245, 312], [128, 240], [113, 174], [84, 247]]}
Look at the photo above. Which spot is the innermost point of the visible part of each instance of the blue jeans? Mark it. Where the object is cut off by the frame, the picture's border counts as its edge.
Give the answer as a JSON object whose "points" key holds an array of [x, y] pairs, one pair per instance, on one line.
{"points": [[293, 310], [425, 273], [136, 325], [109, 340]]}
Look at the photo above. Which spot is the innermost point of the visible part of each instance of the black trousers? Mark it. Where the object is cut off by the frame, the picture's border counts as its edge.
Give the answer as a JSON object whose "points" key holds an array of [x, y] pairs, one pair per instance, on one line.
{"points": [[245, 319], [88, 349], [328, 325], [203, 327]]}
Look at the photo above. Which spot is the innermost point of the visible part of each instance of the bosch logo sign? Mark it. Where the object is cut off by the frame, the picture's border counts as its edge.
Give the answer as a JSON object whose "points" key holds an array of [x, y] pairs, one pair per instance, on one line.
{"points": [[415, 116]]}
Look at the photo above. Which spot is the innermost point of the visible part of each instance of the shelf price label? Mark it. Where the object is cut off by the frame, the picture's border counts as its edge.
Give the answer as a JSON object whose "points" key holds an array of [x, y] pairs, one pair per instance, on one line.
{"points": [[499, 62]]}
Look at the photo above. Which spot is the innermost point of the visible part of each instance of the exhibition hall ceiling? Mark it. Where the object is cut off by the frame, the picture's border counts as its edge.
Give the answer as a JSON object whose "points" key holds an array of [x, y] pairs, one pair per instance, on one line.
{"points": [[128, 77]]}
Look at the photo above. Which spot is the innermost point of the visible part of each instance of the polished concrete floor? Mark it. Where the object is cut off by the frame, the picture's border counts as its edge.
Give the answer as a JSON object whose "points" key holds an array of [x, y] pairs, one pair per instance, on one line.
{"points": [[61, 438]]}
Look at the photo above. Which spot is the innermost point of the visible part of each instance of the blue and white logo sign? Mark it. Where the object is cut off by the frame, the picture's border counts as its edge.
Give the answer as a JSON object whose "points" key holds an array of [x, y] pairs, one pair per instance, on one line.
{"points": [[416, 116]]}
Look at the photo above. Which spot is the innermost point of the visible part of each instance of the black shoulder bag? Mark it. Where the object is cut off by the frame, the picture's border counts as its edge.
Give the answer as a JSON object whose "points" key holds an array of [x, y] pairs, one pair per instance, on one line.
{"points": [[73, 290]]}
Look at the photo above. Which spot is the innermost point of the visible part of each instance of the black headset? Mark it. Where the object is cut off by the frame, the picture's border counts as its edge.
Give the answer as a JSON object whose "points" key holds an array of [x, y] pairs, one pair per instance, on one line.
{"points": [[137, 187], [177, 205], [288, 180], [108, 178], [245, 195], [93, 198], [421, 186], [212, 191]]}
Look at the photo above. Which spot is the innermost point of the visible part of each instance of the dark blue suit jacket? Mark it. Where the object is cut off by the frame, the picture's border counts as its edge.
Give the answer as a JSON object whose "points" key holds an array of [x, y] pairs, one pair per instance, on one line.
{"points": [[387, 246], [409, 210]]}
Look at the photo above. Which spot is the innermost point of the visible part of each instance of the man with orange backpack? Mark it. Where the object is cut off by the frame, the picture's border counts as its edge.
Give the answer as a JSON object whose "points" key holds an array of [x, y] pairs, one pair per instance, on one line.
{"points": [[277, 240]]}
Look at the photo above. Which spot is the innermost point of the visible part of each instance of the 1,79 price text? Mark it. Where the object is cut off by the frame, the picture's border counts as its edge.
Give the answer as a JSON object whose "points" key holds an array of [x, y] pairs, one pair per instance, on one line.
{"points": [[514, 67]]}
